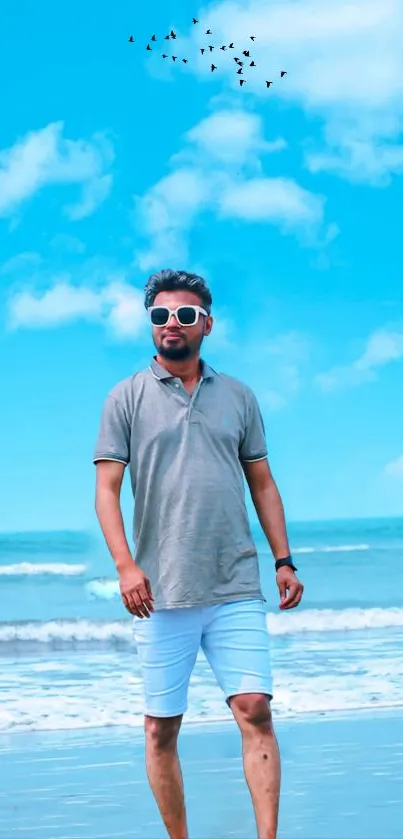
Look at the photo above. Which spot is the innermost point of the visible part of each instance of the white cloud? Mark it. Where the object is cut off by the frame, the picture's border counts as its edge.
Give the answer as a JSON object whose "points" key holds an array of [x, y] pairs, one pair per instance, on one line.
{"points": [[232, 137], [214, 175], [279, 200], [382, 347], [360, 160], [44, 158], [93, 195], [166, 212], [394, 469], [344, 61], [272, 400], [22, 261], [123, 308], [59, 304], [283, 363], [117, 305]]}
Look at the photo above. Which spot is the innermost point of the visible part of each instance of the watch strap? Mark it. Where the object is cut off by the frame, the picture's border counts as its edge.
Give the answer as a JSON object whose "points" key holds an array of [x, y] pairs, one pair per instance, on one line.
{"points": [[286, 562]]}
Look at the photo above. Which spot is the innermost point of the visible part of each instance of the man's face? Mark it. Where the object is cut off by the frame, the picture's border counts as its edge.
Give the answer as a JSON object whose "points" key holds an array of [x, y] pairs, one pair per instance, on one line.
{"points": [[174, 341]]}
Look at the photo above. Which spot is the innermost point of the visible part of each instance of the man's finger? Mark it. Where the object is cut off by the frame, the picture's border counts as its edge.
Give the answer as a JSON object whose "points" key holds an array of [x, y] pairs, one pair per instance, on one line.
{"points": [[147, 601], [130, 605], [292, 591], [141, 600], [148, 586], [294, 597], [138, 603], [282, 587]]}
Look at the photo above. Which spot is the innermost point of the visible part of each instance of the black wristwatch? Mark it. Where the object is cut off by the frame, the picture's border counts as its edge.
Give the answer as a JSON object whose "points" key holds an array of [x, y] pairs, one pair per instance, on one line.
{"points": [[287, 561]]}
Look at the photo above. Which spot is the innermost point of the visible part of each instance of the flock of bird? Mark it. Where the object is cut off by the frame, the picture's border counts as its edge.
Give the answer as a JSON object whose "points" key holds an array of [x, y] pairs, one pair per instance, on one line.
{"points": [[243, 63]]}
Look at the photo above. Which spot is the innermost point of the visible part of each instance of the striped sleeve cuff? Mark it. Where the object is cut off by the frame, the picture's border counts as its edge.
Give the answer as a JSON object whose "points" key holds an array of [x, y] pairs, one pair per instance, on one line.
{"points": [[114, 457]]}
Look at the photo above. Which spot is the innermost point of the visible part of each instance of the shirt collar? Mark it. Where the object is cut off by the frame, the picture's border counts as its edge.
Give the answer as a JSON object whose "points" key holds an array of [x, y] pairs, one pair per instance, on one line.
{"points": [[160, 372]]}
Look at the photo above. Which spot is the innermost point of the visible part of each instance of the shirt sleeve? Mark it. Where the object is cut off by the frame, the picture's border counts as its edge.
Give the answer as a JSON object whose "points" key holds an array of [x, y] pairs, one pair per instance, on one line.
{"points": [[113, 441], [253, 445]]}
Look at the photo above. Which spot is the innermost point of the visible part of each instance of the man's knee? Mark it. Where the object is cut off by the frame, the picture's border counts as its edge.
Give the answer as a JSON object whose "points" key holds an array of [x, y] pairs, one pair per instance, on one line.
{"points": [[252, 710], [162, 733]]}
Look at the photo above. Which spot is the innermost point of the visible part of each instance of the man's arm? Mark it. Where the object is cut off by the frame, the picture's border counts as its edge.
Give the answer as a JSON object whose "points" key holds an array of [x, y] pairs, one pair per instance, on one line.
{"points": [[107, 505], [269, 508], [112, 454], [133, 582], [267, 501], [268, 504]]}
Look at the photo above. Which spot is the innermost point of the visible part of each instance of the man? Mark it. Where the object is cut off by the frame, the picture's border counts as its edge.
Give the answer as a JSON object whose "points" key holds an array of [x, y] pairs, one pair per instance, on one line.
{"points": [[189, 435]]}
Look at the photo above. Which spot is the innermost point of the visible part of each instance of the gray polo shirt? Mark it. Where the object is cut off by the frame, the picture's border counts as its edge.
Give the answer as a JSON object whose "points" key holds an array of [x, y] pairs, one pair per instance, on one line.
{"points": [[191, 529]]}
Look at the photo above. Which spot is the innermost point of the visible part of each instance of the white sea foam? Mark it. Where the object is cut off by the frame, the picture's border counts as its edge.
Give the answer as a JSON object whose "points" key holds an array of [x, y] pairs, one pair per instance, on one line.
{"points": [[330, 549], [74, 632], [36, 569], [330, 620], [65, 632], [108, 691]]}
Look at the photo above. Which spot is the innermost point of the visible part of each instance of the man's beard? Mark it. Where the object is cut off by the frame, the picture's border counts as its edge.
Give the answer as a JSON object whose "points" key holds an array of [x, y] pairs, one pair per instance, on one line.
{"points": [[174, 353]]}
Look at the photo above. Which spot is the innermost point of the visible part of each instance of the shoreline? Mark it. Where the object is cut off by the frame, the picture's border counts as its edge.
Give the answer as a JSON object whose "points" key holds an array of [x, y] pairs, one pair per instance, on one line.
{"points": [[193, 725], [341, 779]]}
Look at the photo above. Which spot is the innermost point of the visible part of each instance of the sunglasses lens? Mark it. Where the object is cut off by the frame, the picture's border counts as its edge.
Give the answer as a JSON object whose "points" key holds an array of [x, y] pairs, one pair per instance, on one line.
{"points": [[159, 316], [187, 315]]}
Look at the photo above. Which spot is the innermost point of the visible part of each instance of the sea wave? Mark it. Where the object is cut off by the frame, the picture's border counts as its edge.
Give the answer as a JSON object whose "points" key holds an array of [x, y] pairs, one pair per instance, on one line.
{"points": [[90, 692], [44, 569], [331, 549], [73, 633]]}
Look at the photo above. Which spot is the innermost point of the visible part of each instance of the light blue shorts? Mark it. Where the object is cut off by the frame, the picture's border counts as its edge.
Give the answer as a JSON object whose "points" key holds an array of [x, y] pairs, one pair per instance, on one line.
{"points": [[233, 637]]}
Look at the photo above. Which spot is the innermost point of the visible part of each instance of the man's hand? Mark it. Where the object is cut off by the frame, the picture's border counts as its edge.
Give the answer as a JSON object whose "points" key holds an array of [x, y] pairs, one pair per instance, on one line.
{"points": [[136, 592], [290, 588]]}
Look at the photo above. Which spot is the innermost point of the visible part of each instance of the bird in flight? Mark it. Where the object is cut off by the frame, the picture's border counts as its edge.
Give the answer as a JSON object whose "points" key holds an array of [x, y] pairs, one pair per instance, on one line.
{"points": [[210, 47]]}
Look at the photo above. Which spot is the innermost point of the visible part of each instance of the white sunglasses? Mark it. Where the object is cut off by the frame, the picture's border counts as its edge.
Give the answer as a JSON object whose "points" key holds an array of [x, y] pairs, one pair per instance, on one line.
{"points": [[185, 315]]}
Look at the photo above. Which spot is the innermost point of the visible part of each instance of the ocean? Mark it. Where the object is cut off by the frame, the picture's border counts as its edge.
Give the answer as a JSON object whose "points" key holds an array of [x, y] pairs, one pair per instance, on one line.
{"points": [[68, 661]]}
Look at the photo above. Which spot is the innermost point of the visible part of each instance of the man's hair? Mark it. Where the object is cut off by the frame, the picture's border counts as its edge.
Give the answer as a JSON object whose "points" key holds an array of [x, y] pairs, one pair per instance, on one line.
{"points": [[168, 280]]}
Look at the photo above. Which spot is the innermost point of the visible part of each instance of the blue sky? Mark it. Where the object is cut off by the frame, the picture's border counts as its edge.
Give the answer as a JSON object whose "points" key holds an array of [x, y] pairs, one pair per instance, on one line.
{"points": [[115, 163]]}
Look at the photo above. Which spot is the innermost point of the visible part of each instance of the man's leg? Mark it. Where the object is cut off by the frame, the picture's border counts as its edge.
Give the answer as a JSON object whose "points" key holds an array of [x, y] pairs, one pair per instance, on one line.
{"points": [[164, 773], [167, 646], [261, 759], [236, 643]]}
